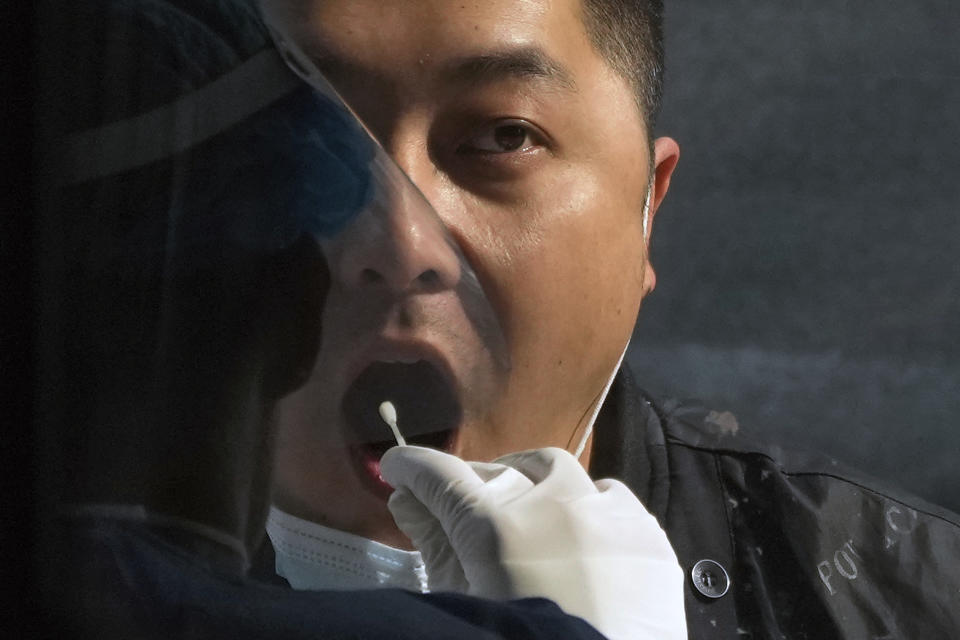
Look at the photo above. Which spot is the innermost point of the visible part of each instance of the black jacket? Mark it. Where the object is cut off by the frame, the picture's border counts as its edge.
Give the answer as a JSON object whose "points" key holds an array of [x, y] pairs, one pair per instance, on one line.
{"points": [[795, 545], [101, 577]]}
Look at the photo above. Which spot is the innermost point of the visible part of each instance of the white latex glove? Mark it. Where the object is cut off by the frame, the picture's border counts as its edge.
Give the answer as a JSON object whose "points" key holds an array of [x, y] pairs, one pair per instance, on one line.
{"points": [[533, 524]]}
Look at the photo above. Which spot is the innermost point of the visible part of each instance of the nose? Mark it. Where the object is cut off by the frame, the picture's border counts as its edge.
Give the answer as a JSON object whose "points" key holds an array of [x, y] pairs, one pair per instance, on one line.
{"points": [[398, 244]]}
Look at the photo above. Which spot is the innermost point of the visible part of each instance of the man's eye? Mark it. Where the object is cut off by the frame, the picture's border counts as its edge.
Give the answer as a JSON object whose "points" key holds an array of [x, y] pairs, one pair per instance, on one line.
{"points": [[501, 137]]}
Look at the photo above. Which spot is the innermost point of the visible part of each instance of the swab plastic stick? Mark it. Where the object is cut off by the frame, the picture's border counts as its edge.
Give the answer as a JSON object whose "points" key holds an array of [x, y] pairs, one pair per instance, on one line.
{"points": [[389, 414]]}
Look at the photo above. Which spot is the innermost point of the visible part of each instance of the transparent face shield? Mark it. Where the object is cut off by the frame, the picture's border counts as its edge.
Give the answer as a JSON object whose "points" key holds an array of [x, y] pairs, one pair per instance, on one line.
{"points": [[228, 255], [411, 347]]}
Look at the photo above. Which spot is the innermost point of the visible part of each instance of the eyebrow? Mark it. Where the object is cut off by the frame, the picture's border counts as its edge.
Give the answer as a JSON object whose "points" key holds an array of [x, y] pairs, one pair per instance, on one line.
{"points": [[522, 63]]}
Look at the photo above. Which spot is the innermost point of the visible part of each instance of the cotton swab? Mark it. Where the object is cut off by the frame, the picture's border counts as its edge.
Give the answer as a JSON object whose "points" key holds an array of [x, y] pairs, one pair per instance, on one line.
{"points": [[388, 413]]}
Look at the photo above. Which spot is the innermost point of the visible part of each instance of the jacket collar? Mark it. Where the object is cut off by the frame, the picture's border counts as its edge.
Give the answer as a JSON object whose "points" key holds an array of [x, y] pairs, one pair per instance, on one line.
{"points": [[629, 443]]}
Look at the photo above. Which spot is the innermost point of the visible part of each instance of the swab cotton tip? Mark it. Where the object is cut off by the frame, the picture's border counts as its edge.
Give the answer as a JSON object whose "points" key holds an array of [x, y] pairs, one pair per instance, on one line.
{"points": [[388, 413]]}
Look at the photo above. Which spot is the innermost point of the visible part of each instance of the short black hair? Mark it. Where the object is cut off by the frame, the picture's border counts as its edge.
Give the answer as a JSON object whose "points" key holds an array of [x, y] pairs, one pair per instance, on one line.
{"points": [[629, 35]]}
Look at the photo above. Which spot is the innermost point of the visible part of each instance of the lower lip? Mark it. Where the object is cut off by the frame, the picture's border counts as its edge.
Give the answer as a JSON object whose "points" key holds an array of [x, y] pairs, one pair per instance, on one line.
{"points": [[367, 462]]}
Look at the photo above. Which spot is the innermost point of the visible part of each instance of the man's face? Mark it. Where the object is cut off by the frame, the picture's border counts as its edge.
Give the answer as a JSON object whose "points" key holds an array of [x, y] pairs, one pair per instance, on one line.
{"points": [[533, 153]]}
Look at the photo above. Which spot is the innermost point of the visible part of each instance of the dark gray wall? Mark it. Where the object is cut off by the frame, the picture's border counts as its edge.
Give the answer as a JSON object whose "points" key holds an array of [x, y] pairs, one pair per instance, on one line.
{"points": [[808, 251]]}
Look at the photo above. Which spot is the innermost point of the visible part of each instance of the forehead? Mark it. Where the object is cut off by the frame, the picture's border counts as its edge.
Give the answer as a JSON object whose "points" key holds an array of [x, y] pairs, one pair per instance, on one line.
{"points": [[397, 38], [428, 25]]}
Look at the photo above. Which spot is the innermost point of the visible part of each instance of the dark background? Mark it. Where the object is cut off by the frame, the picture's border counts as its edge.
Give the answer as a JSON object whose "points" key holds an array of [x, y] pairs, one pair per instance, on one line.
{"points": [[807, 254]]}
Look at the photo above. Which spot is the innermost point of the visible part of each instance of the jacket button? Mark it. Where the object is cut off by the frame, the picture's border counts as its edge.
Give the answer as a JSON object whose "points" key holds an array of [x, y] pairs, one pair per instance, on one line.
{"points": [[710, 578]]}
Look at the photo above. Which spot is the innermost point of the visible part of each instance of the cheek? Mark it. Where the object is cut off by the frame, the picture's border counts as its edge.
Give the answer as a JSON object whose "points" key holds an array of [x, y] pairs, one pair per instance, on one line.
{"points": [[565, 267]]}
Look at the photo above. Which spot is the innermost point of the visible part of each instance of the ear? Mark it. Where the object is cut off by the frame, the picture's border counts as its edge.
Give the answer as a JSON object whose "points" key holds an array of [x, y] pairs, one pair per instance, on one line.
{"points": [[666, 154]]}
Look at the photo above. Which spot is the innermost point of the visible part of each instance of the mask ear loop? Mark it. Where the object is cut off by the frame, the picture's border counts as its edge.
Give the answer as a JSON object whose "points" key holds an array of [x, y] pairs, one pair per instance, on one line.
{"points": [[646, 214], [596, 410], [606, 389]]}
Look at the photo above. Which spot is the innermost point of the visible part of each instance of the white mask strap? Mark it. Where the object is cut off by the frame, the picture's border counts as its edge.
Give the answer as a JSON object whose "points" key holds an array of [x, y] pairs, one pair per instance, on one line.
{"points": [[596, 410], [646, 213]]}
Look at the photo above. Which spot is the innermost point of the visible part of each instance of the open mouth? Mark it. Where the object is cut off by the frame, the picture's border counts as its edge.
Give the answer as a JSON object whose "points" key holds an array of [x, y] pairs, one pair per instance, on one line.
{"points": [[428, 412]]}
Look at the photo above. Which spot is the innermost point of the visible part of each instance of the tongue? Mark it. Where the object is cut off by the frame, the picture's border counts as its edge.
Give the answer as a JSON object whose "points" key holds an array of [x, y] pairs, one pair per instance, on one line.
{"points": [[424, 401]]}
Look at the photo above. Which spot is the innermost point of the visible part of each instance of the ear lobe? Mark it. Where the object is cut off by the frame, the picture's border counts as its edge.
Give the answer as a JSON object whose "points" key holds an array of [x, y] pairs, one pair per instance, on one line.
{"points": [[649, 279]]}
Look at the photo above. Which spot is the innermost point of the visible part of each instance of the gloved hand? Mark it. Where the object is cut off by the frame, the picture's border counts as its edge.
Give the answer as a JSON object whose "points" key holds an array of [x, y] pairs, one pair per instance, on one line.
{"points": [[534, 524]]}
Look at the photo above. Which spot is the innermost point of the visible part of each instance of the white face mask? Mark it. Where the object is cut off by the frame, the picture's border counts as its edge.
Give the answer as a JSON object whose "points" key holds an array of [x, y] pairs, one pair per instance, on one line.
{"points": [[312, 557]]}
